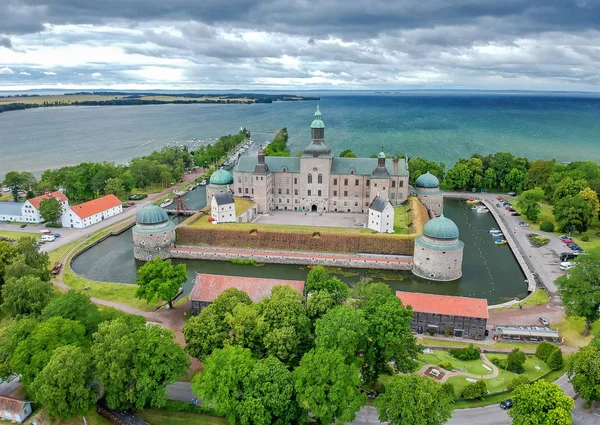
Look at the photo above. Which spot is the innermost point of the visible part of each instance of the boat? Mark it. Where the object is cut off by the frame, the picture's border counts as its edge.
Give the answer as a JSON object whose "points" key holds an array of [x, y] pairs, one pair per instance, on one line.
{"points": [[500, 241], [202, 183], [166, 203], [472, 201], [497, 235], [474, 207], [494, 231], [179, 192], [482, 210]]}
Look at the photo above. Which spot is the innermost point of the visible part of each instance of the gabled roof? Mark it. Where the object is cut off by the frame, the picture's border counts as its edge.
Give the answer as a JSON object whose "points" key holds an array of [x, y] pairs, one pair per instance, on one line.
{"points": [[60, 197], [209, 286], [11, 404], [88, 209], [10, 208], [223, 198], [246, 164], [379, 204], [445, 304]]}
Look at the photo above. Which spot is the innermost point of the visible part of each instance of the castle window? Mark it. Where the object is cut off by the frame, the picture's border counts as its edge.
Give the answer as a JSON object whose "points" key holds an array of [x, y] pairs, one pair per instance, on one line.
{"points": [[335, 182], [320, 179], [295, 180], [375, 185], [393, 183], [295, 191], [309, 192], [356, 194], [366, 204], [319, 193], [239, 190], [367, 193], [367, 183], [393, 195], [335, 193], [401, 183], [253, 191], [356, 204], [284, 169], [309, 178], [345, 193], [246, 191], [279, 191], [239, 179], [287, 191], [352, 170], [261, 179], [345, 182]]}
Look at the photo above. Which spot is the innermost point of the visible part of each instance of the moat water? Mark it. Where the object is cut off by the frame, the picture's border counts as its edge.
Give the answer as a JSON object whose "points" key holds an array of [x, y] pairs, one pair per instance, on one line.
{"points": [[489, 271]]}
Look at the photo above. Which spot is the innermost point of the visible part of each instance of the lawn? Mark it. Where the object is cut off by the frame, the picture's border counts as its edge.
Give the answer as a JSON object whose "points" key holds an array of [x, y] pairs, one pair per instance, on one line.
{"points": [[17, 235], [571, 329], [538, 297], [400, 220], [162, 417], [155, 188], [453, 343], [438, 356], [92, 417]]}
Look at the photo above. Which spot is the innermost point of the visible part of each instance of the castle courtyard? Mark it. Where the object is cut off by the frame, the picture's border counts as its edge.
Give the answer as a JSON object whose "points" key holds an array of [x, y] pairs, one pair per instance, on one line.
{"points": [[293, 218]]}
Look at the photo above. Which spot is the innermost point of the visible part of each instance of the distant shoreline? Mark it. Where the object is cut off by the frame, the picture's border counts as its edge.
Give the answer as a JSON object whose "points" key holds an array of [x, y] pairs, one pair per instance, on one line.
{"points": [[22, 102]]}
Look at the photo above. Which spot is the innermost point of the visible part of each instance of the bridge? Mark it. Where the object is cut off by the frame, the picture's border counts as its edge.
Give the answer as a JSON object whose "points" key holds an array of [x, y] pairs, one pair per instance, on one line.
{"points": [[176, 211]]}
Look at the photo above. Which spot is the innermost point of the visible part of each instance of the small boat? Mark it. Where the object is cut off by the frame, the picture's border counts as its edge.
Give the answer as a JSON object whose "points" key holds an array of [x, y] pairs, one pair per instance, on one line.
{"points": [[472, 201], [166, 203], [474, 207], [497, 235], [494, 231], [202, 183], [500, 241], [482, 210], [179, 192]]}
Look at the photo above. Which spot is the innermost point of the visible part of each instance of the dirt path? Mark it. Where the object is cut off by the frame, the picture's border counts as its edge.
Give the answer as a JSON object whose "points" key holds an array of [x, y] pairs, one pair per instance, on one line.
{"points": [[449, 374]]}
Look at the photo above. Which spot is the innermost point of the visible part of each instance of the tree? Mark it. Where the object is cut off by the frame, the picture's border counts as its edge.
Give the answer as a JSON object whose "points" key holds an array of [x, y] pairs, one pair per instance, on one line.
{"points": [[514, 180], [160, 279], [50, 210], [15, 181], [542, 403], [529, 203], [567, 187], [32, 257], [8, 253], [490, 180], [573, 213], [538, 173], [579, 289], [555, 361], [414, 400], [245, 326], [459, 176], [135, 363], [544, 349], [418, 166], [475, 390], [344, 329], [75, 306], [318, 303], [10, 337], [114, 186], [584, 372], [26, 296], [519, 380], [515, 361], [64, 387], [327, 387], [591, 197], [33, 353], [347, 154]]}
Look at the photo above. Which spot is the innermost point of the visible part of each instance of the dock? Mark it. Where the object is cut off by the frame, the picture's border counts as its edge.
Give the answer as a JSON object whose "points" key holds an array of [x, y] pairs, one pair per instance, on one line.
{"points": [[175, 211]]}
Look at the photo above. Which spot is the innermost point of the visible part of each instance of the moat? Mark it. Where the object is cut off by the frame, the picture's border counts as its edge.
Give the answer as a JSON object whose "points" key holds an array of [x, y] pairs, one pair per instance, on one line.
{"points": [[489, 271]]}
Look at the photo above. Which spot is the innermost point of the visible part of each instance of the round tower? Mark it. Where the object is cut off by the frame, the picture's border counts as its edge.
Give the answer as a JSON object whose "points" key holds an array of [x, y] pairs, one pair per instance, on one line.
{"points": [[438, 252], [153, 234], [220, 181], [427, 189]]}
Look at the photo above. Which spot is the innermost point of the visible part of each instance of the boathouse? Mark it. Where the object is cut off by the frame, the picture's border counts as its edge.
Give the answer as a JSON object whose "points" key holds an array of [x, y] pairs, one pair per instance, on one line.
{"points": [[446, 315], [209, 286]]}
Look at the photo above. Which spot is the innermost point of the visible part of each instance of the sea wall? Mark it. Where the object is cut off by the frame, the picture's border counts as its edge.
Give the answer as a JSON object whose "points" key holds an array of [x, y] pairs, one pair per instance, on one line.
{"points": [[391, 262]]}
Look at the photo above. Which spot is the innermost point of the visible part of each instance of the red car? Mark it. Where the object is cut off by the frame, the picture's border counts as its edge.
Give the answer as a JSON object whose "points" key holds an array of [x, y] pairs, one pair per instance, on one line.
{"points": [[499, 198], [567, 241]]}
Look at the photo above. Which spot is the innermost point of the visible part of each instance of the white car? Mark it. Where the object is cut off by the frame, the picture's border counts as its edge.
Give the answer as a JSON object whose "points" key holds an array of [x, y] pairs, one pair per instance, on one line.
{"points": [[566, 266]]}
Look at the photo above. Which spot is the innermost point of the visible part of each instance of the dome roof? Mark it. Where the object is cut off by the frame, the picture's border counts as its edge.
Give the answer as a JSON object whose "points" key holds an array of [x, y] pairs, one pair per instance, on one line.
{"points": [[441, 228], [428, 181], [221, 177], [151, 215], [317, 122], [381, 155]]}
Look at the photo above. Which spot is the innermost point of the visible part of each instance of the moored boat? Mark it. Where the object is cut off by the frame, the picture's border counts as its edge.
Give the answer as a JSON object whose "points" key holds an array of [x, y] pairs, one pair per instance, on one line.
{"points": [[472, 201], [202, 183], [482, 210], [166, 203], [494, 231], [500, 241]]}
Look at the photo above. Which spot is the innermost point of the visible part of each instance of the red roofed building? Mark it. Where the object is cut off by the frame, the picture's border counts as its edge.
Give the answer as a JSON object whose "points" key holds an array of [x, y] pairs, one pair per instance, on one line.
{"points": [[14, 410], [91, 212], [443, 314], [210, 286], [30, 209]]}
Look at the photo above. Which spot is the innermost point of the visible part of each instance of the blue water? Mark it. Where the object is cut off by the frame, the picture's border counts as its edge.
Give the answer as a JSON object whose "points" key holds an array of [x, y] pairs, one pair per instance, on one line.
{"points": [[441, 127]]}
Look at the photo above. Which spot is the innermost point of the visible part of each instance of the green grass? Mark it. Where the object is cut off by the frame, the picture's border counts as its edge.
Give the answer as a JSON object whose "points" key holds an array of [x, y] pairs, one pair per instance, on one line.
{"points": [[154, 188], [18, 235], [571, 329], [92, 417], [162, 417], [538, 297], [242, 205], [438, 356], [452, 343], [401, 220], [491, 399]]}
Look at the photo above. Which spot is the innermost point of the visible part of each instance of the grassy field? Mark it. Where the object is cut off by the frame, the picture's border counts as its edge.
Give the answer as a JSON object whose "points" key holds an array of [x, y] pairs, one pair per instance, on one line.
{"points": [[538, 297], [92, 417], [452, 343], [18, 235], [438, 356], [571, 329], [162, 417], [63, 98], [155, 188], [401, 220]]}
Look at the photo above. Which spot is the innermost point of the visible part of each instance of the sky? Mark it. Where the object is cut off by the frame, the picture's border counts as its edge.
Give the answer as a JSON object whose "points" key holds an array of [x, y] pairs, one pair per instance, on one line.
{"points": [[300, 44]]}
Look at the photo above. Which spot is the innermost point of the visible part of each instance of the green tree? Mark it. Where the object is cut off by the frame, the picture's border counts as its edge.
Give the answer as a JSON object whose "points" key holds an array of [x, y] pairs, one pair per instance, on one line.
{"points": [[555, 361], [221, 380], [519, 380], [529, 203], [567, 187], [33, 353], [114, 186], [64, 387], [347, 154], [8, 253], [414, 400], [418, 166], [579, 289], [573, 213], [160, 279], [344, 329], [584, 372], [539, 172], [318, 303], [135, 363], [591, 197], [75, 306], [26, 296], [327, 387], [475, 390], [33, 258], [490, 180], [544, 349], [514, 180], [459, 176], [515, 361], [542, 403], [16, 181], [50, 210], [10, 337], [245, 326]]}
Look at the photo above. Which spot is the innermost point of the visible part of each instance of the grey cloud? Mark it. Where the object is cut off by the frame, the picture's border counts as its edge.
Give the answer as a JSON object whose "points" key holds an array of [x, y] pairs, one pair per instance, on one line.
{"points": [[5, 42]]}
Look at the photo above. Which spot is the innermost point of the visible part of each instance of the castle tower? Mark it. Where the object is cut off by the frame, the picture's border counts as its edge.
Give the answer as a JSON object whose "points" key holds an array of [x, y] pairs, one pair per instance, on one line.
{"points": [[427, 189], [317, 147], [153, 234], [220, 181], [438, 253]]}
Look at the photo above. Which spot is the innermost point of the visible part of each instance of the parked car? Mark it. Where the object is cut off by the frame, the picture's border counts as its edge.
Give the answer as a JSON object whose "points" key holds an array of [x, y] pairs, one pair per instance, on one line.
{"points": [[563, 237], [506, 404], [567, 256], [511, 209], [499, 198], [567, 241], [567, 266], [23, 226], [523, 224], [516, 214], [544, 321], [512, 194], [57, 235]]}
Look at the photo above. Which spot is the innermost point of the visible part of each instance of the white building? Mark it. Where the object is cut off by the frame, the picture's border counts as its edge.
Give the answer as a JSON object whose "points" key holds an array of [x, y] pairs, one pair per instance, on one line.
{"points": [[222, 208], [92, 212], [29, 211], [14, 410], [381, 216]]}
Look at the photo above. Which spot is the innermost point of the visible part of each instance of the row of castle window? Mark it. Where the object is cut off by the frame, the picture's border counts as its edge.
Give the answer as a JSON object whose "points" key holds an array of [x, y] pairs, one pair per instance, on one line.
{"points": [[320, 181]]}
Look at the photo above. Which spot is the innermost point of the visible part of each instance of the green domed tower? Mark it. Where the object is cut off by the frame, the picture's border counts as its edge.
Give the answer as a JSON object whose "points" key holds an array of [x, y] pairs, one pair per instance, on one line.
{"points": [[153, 234], [220, 181], [438, 252], [427, 189], [317, 147]]}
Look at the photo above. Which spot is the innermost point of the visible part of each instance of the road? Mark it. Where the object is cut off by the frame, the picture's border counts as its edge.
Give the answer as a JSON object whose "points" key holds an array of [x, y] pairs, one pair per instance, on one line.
{"points": [[488, 415]]}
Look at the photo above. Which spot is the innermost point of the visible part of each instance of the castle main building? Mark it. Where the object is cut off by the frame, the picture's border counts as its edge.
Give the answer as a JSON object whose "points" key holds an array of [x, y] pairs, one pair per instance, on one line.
{"points": [[319, 182]]}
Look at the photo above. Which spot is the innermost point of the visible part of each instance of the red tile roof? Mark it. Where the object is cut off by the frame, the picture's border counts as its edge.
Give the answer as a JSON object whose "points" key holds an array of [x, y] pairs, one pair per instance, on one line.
{"points": [[60, 197], [445, 304], [209, 286], [88, 209], [11, 404]]}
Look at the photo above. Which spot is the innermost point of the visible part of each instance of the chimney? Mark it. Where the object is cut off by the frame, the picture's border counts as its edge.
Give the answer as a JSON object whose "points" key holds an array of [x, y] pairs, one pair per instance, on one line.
{"points": [[261, 155]]}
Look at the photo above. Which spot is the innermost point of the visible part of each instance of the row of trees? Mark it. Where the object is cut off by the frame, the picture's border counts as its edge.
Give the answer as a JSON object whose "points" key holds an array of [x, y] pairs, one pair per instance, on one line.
{"points": [[278, 147], [206, 155]]}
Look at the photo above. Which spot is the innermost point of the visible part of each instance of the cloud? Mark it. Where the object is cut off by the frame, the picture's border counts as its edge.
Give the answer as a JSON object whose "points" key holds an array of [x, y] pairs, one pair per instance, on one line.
{"points": [[6, 71], [5, 42], [49, 73], [24, 73], [96, 75]]}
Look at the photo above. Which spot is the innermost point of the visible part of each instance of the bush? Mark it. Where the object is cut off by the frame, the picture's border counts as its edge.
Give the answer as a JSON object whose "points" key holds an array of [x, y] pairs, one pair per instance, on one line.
{"points": [[446, 365], [515, 361], [183, 406], [54, 225], [555, 361], [519, 380], [469, 353], [585, 238], [547, 226], [475, 390], [449, 332], [501, 363], [544, 349]]}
